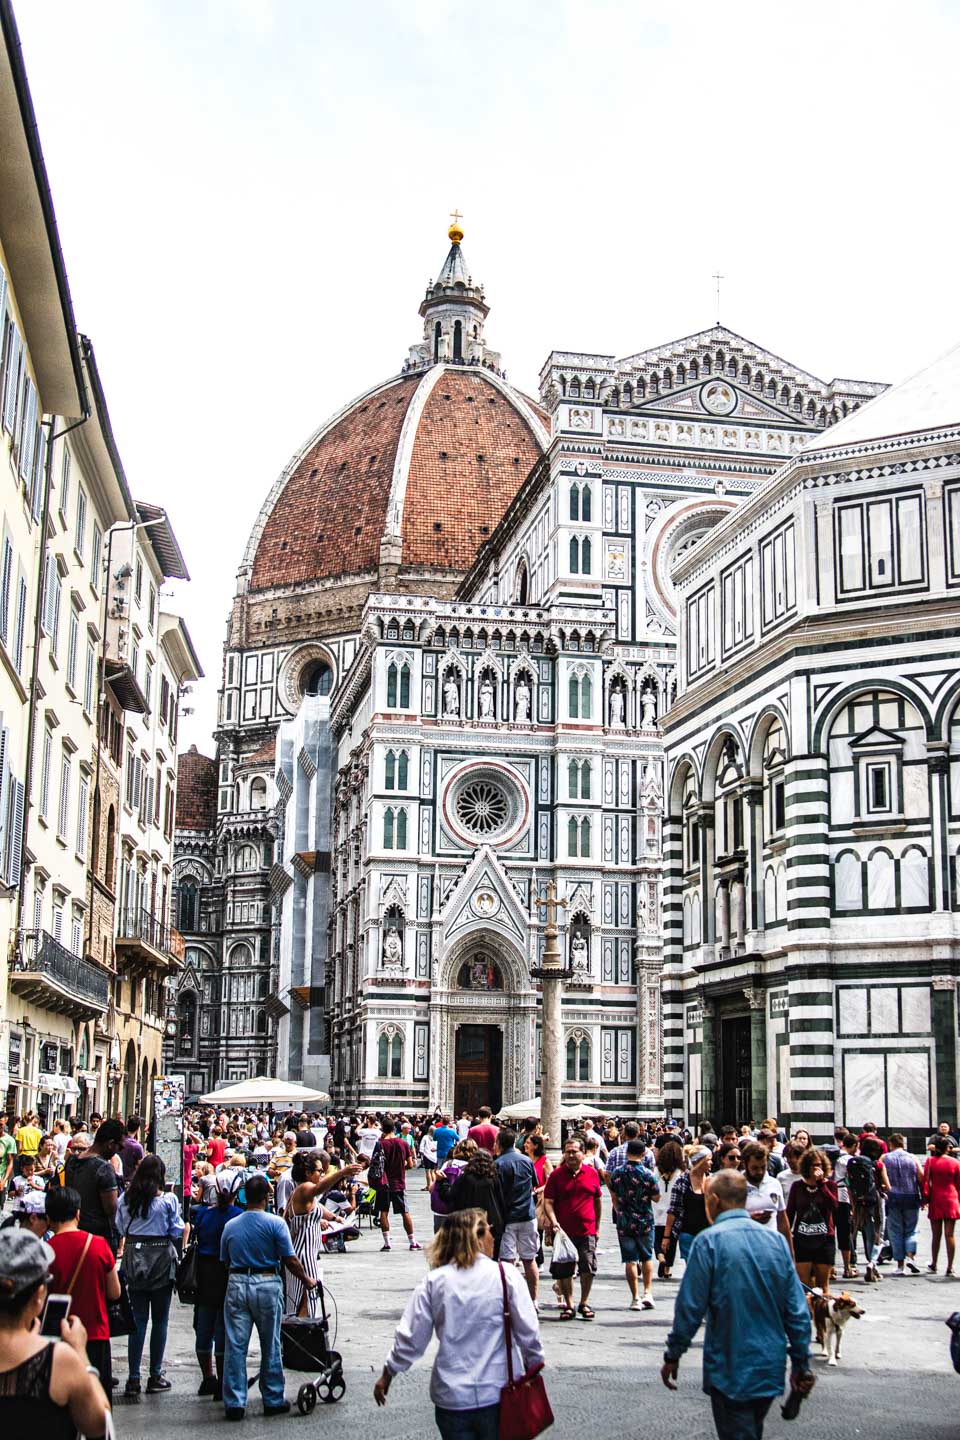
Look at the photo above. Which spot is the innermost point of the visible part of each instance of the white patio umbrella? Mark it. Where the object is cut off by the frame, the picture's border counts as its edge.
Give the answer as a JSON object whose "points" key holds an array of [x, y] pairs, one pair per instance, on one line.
{"points": [[262, 1090], [530, 1109]]}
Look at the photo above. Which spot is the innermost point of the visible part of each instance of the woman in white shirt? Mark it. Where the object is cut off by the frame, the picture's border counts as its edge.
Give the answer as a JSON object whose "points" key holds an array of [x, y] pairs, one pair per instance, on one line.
{"points": [[462, 1300]]}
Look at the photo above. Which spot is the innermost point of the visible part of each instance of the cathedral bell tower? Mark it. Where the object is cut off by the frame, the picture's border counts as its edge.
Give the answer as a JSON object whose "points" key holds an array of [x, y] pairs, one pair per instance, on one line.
{"points": [[453, 310]]}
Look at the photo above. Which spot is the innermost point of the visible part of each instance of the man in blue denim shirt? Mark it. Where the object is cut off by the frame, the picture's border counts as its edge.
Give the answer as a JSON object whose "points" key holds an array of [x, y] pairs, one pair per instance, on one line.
{"points": [[741, 1276]]}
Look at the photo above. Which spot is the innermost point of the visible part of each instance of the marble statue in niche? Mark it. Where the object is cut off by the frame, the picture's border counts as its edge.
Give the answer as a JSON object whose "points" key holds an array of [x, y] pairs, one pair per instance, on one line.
{"points": [[486, 698], [648, 708], [616, 706], [579, 957], [393, 949], [522, 707], [451, 699]]}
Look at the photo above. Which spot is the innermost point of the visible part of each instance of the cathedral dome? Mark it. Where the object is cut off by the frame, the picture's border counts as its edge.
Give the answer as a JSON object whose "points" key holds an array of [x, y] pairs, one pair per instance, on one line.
{"points": [[409, 479]]}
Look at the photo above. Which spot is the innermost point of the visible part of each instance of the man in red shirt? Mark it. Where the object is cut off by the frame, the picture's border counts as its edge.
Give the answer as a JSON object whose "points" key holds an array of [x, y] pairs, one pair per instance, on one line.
{"points": [[85, 1269], [392, 1188], [572, 1199], [484, 1134], [869, 1132]]}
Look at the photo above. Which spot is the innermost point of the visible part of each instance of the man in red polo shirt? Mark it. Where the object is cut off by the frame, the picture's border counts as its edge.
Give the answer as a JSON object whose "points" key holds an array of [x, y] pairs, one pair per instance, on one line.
{"points": [[484, 1133], [572, 1201]]}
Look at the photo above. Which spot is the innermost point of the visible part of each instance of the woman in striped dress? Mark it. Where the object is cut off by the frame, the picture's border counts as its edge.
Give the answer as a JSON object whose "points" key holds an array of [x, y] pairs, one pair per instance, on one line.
{"points": [[307, 1220]]}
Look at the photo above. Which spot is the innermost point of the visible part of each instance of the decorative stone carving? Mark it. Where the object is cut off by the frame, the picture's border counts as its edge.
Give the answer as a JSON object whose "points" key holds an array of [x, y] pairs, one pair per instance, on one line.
{"points": [[648, 708], [944, 982], [393, 950], [486, 697], [451, 699], [522, 701], [616, 707], [756, 998], [579, 955]]}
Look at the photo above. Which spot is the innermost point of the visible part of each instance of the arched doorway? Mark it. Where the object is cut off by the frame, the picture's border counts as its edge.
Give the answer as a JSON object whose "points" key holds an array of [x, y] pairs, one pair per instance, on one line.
{"points": [[483, 1024], [130, 1081]]}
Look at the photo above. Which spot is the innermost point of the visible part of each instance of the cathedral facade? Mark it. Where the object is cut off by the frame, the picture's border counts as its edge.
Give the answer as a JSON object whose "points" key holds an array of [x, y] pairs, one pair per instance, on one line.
{"points": [[452, 645]]}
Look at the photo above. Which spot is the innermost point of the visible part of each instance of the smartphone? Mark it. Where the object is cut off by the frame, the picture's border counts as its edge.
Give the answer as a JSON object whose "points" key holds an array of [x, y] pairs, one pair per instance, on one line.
{"points": [[56, 1309]]}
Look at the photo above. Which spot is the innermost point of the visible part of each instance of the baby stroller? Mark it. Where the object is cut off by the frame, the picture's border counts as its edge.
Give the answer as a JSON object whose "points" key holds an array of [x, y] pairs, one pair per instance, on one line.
{"points": [[367, 1208], [303, 1346]]}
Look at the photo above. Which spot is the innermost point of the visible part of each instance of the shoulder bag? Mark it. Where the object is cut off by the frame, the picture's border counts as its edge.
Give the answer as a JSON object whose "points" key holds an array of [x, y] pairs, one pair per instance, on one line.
{"points": [[524, 1407], [79, 1265], [188, 1274]]}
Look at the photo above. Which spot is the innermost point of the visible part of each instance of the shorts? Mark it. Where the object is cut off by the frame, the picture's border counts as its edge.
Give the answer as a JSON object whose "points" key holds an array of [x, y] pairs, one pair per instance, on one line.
{"points": [[520, 1241], [395, 1200], [586, 1253], [821, 1250], [634, 1249]]}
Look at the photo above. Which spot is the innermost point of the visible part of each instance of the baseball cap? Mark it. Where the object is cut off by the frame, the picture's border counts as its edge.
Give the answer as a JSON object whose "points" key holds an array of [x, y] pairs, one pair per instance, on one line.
{"points": [[26, 1259]]}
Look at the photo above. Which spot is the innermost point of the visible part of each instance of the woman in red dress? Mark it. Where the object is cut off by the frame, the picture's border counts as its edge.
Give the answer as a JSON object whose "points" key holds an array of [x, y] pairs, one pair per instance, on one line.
{"points": [[941, 1191]]}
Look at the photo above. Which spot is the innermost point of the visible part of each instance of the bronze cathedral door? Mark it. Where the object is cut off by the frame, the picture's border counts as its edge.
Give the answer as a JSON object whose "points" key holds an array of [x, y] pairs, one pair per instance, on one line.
{"points": [[478, 1076]]}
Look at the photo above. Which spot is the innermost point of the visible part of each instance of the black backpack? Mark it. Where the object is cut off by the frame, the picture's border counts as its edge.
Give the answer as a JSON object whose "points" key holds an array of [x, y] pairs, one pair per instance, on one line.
{"points": [[375, 1170], [954, 1323], [862, 1179]]}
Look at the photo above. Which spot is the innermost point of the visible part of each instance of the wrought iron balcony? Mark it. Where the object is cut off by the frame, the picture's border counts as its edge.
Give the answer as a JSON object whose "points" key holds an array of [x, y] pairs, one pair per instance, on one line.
{"points": [[144, 937], [48, 974]]}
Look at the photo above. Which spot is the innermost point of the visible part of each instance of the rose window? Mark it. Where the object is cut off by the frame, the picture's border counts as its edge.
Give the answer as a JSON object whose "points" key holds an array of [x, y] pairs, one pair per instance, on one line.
{"points": [[482, 807]]}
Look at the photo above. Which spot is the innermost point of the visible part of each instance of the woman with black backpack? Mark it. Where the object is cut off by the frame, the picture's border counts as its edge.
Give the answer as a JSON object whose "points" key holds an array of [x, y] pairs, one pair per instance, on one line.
{"points": [[867, 1183]]}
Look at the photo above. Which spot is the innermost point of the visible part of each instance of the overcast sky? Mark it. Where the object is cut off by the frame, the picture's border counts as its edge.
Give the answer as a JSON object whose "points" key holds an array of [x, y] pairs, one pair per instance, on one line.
{"points": [[252, 196]]}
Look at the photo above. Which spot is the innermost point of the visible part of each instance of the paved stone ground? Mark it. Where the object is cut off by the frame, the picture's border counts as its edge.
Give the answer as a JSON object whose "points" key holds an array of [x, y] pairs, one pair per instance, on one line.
{"points": [[895, 1379]]}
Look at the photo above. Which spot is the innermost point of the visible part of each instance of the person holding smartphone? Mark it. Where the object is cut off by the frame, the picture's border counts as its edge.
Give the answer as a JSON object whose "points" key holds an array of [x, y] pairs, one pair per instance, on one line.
{"points": [[50, 1387]]}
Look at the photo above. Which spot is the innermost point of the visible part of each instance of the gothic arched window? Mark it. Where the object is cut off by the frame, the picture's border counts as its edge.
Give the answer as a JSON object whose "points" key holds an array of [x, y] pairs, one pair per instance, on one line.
{"points": [[574, 555], [398, 685], [578, 1056], [187, 906], [390, 1054]]}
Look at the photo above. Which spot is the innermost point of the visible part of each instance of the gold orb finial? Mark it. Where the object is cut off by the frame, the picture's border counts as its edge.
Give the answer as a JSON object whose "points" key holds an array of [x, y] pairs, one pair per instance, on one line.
{"points": [[455, 232]]}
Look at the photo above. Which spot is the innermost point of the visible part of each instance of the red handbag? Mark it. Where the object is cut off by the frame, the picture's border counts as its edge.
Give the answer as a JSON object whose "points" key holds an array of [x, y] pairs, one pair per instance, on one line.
{"points": [[524, 1407]]}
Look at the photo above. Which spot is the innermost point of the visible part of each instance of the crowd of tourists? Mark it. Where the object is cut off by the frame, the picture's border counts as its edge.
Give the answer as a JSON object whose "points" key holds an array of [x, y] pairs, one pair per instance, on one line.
{"points": [[88, 1212]]}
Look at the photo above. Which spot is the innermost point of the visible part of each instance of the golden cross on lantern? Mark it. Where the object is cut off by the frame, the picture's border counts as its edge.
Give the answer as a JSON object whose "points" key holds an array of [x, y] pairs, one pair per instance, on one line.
{"points": [[550, 903], [718, 278], [456, 217]]}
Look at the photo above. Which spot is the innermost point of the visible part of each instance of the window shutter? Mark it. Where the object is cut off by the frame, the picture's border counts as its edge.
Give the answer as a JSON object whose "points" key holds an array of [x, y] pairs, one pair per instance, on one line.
{"points": [[3, 305], [20, 631], [55, 610], [82, 819], [14, 356], [15, 833], [81, 530], [88, 680], [63, 814], [28, 431], [39, 474], [73, 641], [6, 580], [4, 794]]}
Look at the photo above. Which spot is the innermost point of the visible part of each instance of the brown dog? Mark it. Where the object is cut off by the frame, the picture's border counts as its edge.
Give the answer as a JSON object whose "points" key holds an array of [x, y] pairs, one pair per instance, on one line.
{"points": [[830, 1314]]}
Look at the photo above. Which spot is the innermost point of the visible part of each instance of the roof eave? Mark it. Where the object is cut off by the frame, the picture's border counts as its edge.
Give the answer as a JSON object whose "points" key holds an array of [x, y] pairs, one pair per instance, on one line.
{"points": [[163, 542], [31, 242]]}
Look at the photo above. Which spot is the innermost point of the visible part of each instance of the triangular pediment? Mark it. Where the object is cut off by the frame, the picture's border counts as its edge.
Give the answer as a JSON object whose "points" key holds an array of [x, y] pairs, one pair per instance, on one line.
{"points": [[718, 399], [484, 899], [877, 738]]}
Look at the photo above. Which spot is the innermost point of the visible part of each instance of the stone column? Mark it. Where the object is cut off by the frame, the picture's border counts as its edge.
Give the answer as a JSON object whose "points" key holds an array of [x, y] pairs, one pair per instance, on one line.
{"points": [[708, 1062], [551, 975], [737, 915], [753, 797], [945, 1044], [723, 915], [757, 1000]]}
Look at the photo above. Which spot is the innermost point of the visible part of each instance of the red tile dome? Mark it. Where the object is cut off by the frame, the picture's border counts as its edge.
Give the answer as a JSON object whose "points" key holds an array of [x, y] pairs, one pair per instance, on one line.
{"points": [[427, 462]]}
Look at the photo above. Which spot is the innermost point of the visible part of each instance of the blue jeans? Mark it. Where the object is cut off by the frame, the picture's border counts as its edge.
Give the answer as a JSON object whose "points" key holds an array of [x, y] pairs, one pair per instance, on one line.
{"points": [[739, 1419], [482, 1424], [252, 1300], [685, 1242], [152, 1305], [209, 1330], [903, 1217]]}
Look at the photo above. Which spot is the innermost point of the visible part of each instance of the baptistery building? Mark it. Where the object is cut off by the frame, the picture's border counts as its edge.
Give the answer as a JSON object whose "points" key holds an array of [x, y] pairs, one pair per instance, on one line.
{"points": [[450, 652]]}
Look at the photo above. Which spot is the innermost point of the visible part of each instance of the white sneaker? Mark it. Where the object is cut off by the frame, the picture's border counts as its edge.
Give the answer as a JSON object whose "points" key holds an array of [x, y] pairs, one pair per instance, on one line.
{"points": [[635, 1303], [648, 1303]]}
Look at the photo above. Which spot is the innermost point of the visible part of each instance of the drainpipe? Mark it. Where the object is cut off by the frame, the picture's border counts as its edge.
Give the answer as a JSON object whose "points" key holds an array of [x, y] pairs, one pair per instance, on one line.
{"points": [[35, 667]]}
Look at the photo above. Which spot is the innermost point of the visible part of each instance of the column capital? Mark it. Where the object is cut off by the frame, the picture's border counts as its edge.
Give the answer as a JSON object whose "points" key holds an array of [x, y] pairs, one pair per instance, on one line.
{"points": [[756, 998], [944, 982]]}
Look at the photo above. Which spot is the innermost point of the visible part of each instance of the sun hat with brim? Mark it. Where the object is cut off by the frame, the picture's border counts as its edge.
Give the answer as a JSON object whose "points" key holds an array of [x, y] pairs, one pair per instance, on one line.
{"points": [[34, 1202], [24, 1259]]}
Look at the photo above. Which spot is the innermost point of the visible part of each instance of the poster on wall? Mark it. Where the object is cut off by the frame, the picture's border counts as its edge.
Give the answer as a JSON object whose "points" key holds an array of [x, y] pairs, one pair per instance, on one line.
{"points": [[168, 1091], [168, 1127]]}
